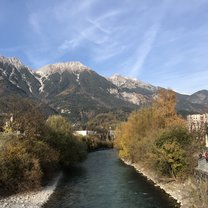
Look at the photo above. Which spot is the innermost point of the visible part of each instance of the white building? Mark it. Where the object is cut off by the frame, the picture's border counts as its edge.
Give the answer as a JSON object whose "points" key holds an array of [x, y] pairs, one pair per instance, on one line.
{"points": [[85, 132], [199, 124], [112, 134]]}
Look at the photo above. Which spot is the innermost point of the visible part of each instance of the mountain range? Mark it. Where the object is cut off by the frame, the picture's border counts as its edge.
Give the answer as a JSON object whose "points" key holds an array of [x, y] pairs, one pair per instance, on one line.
{"points": [[79, 93]]}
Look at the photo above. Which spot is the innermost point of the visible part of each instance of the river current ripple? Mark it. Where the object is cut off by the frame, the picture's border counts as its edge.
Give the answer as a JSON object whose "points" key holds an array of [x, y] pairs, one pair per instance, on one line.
{"points": [[103, 181]]}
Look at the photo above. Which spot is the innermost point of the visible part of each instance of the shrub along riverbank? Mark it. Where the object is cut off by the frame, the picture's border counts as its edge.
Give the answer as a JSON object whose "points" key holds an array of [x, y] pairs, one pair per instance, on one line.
{"points": [[157, 139], [94, 143], [32, 148]]}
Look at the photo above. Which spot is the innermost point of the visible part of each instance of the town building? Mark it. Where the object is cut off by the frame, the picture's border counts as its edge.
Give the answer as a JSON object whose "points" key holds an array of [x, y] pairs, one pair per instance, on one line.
{"points": [[198, 123], [85, 132], [112, 134]]}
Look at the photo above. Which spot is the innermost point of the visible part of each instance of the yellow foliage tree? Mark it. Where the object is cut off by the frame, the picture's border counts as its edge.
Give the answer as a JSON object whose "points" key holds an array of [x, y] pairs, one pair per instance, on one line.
{"points": [[137, 139], [165, 114]]}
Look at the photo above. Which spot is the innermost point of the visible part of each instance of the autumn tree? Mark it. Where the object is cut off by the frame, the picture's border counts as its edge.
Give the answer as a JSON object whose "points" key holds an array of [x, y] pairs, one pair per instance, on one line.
{"points": [[25, 158], [19, 170], [28, 119], [133, 137], [156, 136], [165, 114]]}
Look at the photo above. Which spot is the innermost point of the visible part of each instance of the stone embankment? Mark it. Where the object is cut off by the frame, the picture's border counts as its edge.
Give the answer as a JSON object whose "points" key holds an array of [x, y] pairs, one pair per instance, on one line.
{"points": [[179, 191], [33, 199]]}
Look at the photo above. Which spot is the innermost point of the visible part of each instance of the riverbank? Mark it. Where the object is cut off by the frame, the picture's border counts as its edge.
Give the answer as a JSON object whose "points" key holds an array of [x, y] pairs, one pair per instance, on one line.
{"points": [[179, 191], [32, 199]]}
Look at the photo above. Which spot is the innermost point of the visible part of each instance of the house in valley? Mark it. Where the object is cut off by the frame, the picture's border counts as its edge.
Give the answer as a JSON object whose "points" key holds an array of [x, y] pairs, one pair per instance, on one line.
{"points": [[84, 132]]}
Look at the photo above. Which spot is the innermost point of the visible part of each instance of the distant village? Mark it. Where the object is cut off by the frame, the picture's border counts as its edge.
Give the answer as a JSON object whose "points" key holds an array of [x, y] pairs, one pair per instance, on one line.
{"points": [[6, 121], [197, 123]]}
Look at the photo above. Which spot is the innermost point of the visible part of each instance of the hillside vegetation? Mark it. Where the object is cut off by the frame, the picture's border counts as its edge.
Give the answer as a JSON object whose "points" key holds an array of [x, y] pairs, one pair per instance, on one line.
{"points": [[33, 147]]}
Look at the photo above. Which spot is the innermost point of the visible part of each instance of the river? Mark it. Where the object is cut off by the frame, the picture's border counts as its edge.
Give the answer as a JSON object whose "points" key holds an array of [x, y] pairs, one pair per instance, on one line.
{"points": [[103, 181]]}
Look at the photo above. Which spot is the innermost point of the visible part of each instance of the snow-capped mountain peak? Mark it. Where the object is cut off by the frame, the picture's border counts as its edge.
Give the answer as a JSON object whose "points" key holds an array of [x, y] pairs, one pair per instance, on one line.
{"points": [[11, 60], [62, 67], [131, 83], [19, 75], [79, 93]]}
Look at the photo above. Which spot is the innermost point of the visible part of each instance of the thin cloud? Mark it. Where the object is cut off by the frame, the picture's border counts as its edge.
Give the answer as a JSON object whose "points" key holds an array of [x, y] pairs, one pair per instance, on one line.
{"points": [[34, 21], [97, 25], [70, 44], [144, 49], [109, 52], [95, 32], [155, 40]]}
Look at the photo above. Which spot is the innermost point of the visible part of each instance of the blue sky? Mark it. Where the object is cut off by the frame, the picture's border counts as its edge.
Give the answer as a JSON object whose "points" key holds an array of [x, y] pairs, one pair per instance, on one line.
{"points": [[162, 42]]}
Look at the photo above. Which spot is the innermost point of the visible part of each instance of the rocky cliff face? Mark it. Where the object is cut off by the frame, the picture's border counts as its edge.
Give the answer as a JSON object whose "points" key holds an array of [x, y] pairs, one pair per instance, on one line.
{"points": [[133, 90], [80, 93], [17, 78], [200, 97], [131, 83]]}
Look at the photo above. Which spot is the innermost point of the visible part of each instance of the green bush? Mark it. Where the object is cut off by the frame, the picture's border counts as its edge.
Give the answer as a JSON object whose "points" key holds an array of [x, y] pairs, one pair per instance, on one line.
{"points": [[60, 137], [175, 133], [172, 151], [93, 142]]}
